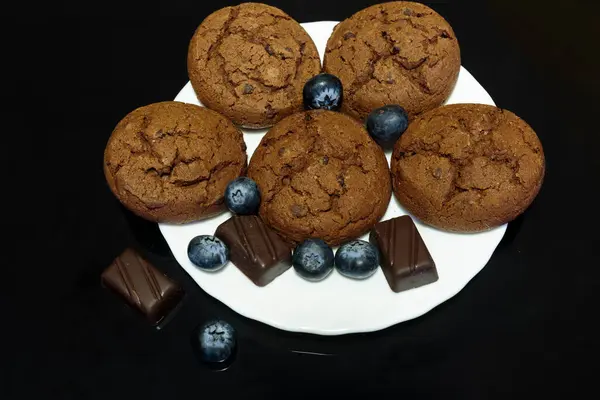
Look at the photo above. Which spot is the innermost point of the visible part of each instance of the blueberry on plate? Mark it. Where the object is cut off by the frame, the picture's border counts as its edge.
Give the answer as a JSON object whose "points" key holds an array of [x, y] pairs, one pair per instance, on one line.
{"points": [[323, 91], [386, 124], [215, 343], [357, 259], [242, 196], [313, 259], [208, 252]]}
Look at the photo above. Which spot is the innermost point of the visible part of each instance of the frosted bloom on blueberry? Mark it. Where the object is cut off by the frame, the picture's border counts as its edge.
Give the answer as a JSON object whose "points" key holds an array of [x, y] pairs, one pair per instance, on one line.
{"points": [[327, 98], [357, 259], [242, 196], [323, 91], [208, 253], [215, 343], [313, 259]]}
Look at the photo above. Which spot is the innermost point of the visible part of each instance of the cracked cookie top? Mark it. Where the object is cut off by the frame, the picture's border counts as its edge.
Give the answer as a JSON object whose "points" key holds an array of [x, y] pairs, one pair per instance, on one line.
{"points": [[320, 175], [250, 63], [467, 167], [171, 161], [393, 53]]}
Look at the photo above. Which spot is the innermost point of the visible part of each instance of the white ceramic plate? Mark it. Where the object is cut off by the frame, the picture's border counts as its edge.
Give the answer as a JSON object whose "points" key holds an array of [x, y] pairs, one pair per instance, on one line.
{"points": [[339, 305]]}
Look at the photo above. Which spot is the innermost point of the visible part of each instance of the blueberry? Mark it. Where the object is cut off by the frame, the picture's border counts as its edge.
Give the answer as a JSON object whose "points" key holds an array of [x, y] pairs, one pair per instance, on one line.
{"points": [[313, 259], [242, 196], [208, 253], [323, 91], [357, 259], [387, 124], [215, 343]]}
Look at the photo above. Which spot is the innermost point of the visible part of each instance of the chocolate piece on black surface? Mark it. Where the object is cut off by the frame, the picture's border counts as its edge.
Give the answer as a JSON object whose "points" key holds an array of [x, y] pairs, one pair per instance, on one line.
{"points": [[404, 258], [142, 286], [255, 249]]}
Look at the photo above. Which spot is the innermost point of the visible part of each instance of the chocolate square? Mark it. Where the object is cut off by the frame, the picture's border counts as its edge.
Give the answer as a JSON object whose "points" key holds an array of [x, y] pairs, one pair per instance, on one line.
{"points": [[404, 258], [142, 286], [257, 250]]}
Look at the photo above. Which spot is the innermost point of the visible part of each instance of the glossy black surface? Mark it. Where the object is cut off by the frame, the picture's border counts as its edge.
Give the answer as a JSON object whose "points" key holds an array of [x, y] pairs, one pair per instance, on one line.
{"points": [[526, 325]]}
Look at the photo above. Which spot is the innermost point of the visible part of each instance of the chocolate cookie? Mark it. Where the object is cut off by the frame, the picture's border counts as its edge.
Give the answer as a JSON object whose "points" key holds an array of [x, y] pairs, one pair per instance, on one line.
{"points": [[171, 161], [467, 167], [393, 53], [250, 63], [320, 175]]}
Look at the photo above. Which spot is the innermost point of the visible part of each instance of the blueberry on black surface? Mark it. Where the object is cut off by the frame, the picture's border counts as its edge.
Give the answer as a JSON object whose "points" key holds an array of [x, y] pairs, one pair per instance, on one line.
{"points": [[323, 91], [313, 259], [242, 196], [208, 252], [386, 124], [357, 259], [215, 343]]}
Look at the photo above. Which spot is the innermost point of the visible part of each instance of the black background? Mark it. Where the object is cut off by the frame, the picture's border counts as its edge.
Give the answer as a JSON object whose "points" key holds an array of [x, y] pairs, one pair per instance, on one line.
{"points": [[524, 325]]}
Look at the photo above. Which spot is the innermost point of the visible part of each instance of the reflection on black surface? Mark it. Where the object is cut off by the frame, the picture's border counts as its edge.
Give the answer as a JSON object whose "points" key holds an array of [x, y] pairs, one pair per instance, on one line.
{"points": [[512, 230], [147, 234], [195, 342]]}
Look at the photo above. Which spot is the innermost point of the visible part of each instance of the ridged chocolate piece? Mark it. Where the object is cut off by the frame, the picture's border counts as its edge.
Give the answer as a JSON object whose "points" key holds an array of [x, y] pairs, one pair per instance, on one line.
{"points": [[255, 248], [405, 260], [142, 286]]}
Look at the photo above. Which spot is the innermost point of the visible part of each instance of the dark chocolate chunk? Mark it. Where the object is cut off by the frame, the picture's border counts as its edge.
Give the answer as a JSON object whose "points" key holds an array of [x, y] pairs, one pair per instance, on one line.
{"points": [[270, 112], [142, 286], [248, 89], [258, 251], [404, 258]]}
